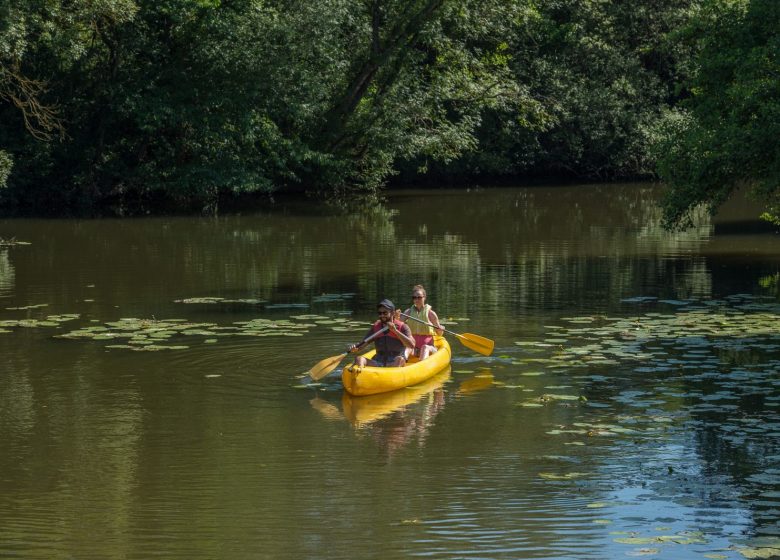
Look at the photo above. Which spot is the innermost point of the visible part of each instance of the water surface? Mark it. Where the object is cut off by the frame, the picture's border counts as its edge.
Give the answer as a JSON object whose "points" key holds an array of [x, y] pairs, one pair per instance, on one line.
{"points": [[630, 408]]}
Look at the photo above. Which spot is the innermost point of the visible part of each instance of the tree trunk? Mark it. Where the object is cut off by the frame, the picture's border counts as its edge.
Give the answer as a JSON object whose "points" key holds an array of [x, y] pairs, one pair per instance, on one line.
{"points": [[383, 50]]}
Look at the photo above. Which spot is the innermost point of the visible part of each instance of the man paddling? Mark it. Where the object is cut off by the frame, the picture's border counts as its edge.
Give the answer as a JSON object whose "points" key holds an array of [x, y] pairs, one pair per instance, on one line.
{"points": [[391, 344]]}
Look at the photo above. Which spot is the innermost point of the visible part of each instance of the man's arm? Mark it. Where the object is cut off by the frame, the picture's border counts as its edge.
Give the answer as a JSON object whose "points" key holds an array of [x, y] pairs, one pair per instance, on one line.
{"points": [[404, 334]]}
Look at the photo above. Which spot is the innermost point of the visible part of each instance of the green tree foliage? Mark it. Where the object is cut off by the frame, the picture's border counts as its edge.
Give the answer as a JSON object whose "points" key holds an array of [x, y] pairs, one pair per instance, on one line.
{"points": [[19, 91], [601, 74], [180, 101], [176, 104], [6, 164], [729, 136], [413, 80]]}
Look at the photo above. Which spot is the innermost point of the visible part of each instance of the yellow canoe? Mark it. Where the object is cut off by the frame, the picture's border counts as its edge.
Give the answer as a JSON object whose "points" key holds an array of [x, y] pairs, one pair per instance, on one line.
{"points": [[361, 411], [371, 380]]}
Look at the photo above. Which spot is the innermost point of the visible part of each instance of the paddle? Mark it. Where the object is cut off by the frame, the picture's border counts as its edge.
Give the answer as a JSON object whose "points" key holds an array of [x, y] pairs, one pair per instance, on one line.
{"points": [[477, 343], [324, 367]]}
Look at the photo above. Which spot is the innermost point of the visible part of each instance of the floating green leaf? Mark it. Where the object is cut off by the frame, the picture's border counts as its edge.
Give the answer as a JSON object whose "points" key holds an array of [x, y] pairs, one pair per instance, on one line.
{"points": [[643, 552], [760, 552], [34, 306], [567, 476]]}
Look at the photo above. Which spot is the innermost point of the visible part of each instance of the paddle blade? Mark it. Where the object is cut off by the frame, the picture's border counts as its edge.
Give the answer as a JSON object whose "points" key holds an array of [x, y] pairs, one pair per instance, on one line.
{"points": [[324, 367], [477, 343]]}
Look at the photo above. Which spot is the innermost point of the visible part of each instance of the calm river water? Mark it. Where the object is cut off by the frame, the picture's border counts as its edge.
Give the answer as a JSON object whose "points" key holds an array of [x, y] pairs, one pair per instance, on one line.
{"points": [[152, 402]]}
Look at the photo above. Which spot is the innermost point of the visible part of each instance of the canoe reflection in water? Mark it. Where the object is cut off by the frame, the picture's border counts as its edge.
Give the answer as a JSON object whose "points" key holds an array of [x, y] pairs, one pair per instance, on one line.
{"points": [[392, 419], [397, 418], [479, 382]]}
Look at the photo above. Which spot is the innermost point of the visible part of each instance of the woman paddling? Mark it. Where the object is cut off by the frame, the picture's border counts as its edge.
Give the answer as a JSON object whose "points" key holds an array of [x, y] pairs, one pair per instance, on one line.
{"points": [[423, 334]]}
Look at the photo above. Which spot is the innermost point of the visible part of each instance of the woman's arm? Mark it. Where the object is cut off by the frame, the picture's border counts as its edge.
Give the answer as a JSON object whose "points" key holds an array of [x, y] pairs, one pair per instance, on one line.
{"points": [[434, 320]]}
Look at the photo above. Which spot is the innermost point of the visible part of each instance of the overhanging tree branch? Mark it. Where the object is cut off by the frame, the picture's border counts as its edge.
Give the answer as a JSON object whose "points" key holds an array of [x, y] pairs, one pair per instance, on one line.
{"points": [[41, 120], [397, 39]]}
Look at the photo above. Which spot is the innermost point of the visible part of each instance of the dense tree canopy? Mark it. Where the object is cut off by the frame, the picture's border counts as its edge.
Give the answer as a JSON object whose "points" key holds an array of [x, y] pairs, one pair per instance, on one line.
{"points": [[602, 75], [729, 136], [137, 105]]}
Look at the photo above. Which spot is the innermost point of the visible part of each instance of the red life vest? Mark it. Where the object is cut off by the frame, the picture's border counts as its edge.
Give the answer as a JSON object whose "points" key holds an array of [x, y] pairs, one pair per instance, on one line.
{"points": [[379, 325], [388, 345]]}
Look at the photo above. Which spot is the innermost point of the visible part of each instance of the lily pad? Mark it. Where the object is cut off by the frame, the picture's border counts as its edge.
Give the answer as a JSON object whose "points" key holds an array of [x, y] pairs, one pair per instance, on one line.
{"points": [[643, 552], [567, 476], [760, 552], [26, 307]]}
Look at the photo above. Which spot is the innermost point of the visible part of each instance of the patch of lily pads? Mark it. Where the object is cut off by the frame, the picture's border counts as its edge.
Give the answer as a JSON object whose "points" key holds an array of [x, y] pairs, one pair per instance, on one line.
{"points": [[219, 300], [763, 547], [49, 321], [683, 538], [213, 300], [706, 372], [333, 298], [152, 335], [658, 341], [27, 307], [704, 367]]}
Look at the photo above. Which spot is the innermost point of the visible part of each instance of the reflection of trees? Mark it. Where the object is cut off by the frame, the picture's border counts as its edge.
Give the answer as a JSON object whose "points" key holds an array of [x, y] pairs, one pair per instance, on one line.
{"points": [[500, 249], [66, 446], [736, 442], [546, 247], [158, 260], [493, 251], [573, 221], [6, 273], [771, 283], [723, 414]]}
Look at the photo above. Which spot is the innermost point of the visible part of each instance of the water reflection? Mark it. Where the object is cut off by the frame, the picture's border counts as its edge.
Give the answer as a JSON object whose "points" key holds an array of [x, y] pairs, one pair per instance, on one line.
{"points": [[489, 250], [476, 383], [627, 392], [63, 430], [6, 273], [394, 419]]}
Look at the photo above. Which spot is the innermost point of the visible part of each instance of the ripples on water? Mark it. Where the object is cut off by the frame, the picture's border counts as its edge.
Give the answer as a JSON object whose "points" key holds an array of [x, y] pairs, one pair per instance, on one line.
{"points": [[630, 407]]}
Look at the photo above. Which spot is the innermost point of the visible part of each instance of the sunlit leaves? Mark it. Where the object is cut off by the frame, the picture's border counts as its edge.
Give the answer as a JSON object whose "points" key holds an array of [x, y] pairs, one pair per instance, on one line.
{"points": [[730, 139]]}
